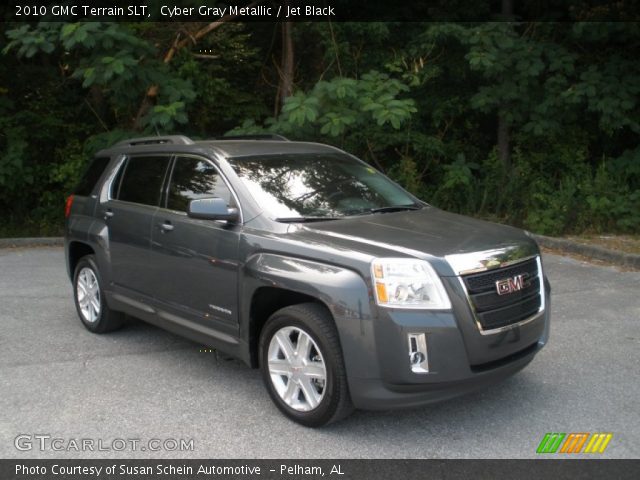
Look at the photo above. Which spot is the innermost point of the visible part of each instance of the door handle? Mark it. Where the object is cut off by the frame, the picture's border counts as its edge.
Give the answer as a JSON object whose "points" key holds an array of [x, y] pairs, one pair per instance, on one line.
{"points": [[108, 214], [166, 227]]}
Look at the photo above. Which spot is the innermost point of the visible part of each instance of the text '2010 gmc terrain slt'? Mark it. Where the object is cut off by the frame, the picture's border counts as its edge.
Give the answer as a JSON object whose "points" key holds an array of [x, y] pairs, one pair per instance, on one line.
{"points": [[304, 261]]}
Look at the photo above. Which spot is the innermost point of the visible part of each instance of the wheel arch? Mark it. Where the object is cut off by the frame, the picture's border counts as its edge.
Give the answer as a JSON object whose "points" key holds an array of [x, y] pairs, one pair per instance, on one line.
{"points": [[77, 250], [275, 280], [265, 301]]}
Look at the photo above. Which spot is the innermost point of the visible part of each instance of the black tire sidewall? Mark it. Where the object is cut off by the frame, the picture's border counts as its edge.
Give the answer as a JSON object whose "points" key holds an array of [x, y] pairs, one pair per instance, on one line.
{"points": [[89, 262], [323, 413]]}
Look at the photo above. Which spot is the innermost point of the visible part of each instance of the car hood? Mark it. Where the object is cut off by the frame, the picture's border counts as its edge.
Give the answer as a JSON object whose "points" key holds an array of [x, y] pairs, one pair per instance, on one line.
{"points": [[451, 241]]}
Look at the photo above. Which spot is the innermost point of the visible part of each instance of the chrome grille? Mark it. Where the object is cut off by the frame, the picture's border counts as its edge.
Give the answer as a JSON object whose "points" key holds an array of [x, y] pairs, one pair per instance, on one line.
{"points": [[495, 311]]}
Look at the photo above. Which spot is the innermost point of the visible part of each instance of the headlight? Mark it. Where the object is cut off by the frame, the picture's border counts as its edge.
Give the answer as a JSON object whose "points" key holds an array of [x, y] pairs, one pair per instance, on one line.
{"points": [[408, 283]]}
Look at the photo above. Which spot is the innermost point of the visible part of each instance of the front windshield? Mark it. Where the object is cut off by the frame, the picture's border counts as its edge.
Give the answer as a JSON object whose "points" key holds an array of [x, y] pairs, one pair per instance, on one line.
{"points": [[317, 185]]}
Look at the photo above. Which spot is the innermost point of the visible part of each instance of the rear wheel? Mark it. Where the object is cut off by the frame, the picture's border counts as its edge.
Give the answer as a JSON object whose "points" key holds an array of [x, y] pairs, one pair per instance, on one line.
{"points": [[91, 305], [303, 367]]}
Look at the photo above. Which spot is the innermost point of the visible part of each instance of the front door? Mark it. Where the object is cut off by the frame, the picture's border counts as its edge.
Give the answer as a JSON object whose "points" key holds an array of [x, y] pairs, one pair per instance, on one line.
{"points": [[198, 258]]}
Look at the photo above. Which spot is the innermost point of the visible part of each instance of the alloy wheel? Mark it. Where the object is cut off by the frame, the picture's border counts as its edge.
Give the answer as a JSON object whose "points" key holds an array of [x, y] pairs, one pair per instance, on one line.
{"points": [[88, 295], [297, 369]]}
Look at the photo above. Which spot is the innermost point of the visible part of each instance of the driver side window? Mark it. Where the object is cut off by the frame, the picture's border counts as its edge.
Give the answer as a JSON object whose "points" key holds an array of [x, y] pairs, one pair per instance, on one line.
{"points": [[194, 178]]}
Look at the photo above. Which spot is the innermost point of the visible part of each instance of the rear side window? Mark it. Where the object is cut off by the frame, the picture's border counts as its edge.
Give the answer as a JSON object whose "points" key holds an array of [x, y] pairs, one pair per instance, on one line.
{"points": [[194, 178], [142, 179], [91, 176]]}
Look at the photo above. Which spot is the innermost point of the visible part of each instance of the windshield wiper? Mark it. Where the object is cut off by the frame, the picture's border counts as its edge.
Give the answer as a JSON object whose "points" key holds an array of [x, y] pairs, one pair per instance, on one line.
{"points": [[395, 208], [305, 219]]}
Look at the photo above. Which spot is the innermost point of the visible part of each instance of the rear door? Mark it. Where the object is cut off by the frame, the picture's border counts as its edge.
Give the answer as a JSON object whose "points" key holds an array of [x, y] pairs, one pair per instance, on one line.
{"points": [[197, 259], [128, 213]]}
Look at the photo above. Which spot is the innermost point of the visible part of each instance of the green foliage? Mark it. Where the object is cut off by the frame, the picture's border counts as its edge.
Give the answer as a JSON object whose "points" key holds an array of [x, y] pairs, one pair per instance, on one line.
{"points": [[418, 101], [113, 58], [342, 104], [554, 190], [28, 42], [11, 161], [406, 173], [224, 80], [457, 187]]}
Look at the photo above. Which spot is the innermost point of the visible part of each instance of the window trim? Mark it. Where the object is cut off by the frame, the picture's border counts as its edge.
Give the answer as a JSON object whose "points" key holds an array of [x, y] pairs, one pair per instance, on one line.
{"points": [[108, 185], [122, 168], [167, 183]]}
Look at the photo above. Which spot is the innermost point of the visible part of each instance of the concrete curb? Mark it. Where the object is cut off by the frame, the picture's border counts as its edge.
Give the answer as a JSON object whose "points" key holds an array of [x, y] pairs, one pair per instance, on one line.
{"points": [[31, 242], [615, 257]]}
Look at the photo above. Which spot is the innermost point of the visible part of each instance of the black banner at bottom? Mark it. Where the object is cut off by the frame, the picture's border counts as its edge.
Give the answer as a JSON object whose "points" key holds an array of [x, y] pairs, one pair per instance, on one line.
{"points": [[316, 469]]}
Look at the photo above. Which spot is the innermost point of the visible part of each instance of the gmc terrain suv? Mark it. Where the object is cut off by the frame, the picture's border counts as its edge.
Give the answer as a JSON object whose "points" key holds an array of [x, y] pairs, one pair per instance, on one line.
{"points": [[303, 261]]}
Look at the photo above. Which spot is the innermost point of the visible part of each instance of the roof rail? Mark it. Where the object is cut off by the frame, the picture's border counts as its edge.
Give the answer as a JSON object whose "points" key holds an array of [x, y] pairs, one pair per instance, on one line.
{"points": [[173, 139], [261, 136]]}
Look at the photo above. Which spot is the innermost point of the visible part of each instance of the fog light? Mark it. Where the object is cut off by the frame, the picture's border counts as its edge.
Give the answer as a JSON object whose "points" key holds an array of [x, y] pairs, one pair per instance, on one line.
{"points": [[418, 357]]}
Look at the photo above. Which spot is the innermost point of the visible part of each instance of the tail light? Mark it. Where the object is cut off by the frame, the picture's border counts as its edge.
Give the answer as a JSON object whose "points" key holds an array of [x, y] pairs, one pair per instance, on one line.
{"points": [[67, 206]]}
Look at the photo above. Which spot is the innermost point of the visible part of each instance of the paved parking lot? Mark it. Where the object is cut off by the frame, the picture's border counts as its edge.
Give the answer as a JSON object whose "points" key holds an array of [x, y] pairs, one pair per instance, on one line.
{"points": [[142, 383]]}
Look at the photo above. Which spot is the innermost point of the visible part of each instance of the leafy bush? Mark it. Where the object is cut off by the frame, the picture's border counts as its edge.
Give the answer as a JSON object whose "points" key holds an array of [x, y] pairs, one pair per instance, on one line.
{"points": [[421, 102]]}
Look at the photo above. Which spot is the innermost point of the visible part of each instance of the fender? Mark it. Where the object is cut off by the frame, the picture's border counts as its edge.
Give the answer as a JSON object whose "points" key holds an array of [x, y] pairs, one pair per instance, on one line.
{"points": [[343, 291], [98, 238], [85, 229]]}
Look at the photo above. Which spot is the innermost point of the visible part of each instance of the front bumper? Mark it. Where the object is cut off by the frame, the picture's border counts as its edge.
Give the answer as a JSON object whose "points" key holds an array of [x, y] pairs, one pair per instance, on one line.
{"points": [[460, 358], [375, 394]]}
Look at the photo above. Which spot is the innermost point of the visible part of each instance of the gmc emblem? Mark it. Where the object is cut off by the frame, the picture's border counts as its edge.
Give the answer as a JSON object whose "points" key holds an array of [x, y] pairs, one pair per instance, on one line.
{"points": [[510, 285]]}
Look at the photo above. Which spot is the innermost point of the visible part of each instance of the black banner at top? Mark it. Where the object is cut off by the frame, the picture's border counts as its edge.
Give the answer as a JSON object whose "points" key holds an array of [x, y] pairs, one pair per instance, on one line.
{"points": [[321, 10]]}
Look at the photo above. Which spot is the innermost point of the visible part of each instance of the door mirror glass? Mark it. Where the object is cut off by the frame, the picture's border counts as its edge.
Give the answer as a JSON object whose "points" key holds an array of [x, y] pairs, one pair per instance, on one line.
{"points": [[212, 208]]}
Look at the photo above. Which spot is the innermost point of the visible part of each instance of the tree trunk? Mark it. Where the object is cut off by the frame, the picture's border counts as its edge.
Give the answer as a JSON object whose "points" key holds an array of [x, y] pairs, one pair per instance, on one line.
{"points": [[504, 140], [285, 87]]}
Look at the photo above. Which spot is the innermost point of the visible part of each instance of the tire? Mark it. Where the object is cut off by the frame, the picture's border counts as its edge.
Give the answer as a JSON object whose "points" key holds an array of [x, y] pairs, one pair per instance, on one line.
{"points": [[308, 386], [94, 312]]}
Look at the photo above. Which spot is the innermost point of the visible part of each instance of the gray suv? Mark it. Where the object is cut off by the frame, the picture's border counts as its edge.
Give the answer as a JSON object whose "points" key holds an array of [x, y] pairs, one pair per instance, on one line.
{"points": [[304, 261]]}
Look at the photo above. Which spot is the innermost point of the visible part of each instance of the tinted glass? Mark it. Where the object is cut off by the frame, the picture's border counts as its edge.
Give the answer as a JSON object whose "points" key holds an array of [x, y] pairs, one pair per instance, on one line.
{"points": [[91, 176], [193, 178], [295, 185], [142, 180]]}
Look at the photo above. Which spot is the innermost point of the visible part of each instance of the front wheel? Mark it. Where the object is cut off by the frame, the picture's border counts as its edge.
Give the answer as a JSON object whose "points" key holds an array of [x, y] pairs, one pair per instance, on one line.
{"points": [[89, 298], [303, 367]]}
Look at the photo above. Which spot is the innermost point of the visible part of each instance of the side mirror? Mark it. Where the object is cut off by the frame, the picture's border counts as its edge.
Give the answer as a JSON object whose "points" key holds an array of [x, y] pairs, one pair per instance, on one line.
{"points": [[212, 208]]}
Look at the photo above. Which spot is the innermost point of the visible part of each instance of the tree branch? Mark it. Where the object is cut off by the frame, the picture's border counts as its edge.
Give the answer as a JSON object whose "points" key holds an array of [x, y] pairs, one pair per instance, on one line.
{"points": [[178, 44]]}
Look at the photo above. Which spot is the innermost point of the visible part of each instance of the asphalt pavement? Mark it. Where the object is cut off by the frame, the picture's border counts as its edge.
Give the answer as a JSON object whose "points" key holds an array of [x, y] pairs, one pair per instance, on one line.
{"points": [[141, 383]]}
